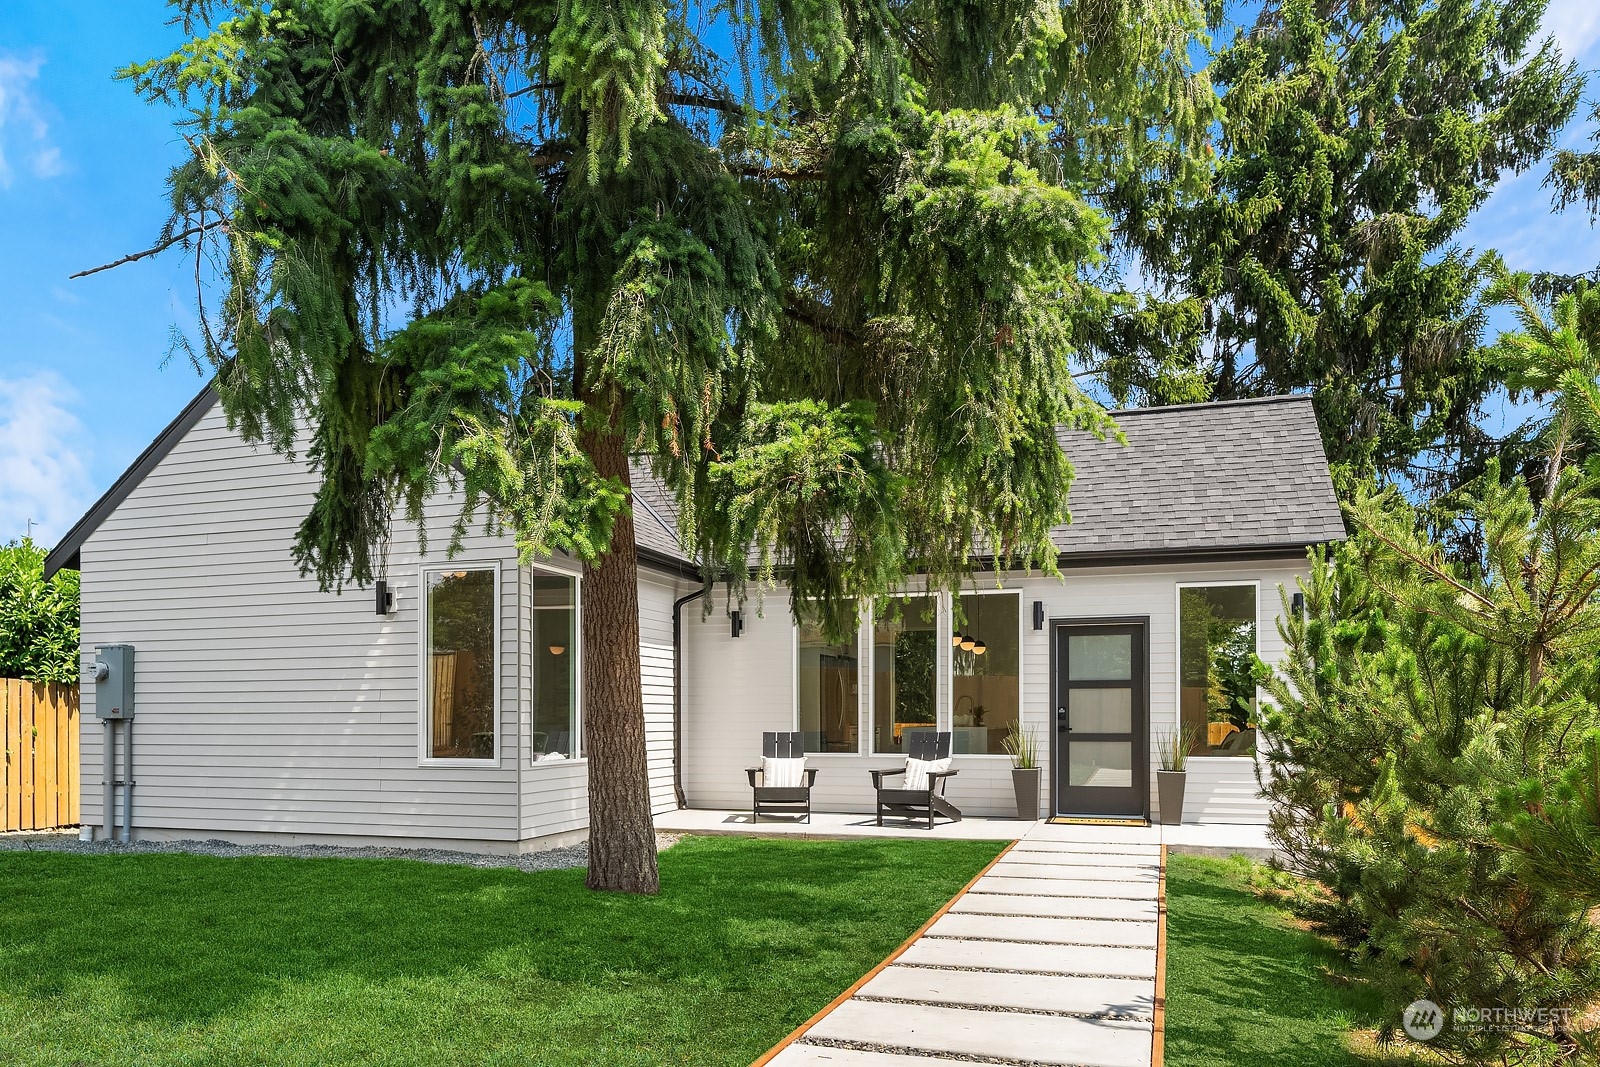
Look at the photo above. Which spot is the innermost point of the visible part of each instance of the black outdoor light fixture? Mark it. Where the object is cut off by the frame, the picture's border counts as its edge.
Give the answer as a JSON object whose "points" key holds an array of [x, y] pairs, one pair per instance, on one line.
{"points": [[1038, 614], [736, 620], [385, 597], [1297, 603]]}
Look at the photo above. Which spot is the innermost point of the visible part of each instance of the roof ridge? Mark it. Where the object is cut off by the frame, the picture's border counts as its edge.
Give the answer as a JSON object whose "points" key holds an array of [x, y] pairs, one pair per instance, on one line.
{"points": [[1241, 402]]}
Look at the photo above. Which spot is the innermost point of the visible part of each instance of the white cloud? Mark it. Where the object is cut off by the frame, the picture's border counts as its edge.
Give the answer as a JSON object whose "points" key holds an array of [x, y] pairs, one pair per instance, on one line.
{"points": [[43, 457], [1575, 24], [24, 130]]}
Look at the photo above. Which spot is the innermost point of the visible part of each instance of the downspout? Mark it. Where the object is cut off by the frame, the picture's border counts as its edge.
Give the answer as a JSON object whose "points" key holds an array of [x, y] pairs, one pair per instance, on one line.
{"points": [[677, 694]]}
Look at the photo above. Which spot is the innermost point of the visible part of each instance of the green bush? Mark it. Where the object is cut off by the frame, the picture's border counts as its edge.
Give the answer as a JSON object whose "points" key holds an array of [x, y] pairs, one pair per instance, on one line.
{"points": [[38, 619]]}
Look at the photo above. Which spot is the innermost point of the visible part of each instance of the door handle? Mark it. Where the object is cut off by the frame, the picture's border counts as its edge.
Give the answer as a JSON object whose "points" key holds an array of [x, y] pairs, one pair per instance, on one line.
{"points": [[1061, 719]]}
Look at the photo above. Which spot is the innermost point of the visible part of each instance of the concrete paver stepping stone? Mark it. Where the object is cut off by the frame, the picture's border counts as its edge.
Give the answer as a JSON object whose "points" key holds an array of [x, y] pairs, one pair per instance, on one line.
{"points": [[828, 1056], [1068, 887], [1020, 869], [1122, 997], [1047, 931], [1044, 959], [977, 903], [1094, 849], [1053, 1039]]}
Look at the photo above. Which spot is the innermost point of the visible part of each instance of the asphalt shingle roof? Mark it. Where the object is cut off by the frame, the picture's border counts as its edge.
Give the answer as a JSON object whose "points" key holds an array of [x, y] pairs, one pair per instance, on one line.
{"points": [[1231, 475]]}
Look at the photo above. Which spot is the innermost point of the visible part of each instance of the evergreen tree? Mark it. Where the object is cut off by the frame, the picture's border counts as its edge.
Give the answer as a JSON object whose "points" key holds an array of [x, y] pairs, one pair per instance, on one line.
{"points": [[1358, 137], [821, 267]]}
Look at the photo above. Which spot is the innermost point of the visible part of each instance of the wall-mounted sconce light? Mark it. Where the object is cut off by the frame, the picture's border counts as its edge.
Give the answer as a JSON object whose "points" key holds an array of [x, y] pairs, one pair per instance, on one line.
{"points": [[736, 623], [385, 597], [1297, 603], [1038, 614]]}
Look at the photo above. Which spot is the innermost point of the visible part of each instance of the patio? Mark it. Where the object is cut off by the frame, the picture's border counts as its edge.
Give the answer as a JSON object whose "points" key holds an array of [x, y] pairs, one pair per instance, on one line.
{"points": [[1193, 838]]}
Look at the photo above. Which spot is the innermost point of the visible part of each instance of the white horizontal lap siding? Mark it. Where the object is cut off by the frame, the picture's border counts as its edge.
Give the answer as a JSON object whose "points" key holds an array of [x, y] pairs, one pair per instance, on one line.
{"points": [[264, 704], [735, 689], [656, 595]]}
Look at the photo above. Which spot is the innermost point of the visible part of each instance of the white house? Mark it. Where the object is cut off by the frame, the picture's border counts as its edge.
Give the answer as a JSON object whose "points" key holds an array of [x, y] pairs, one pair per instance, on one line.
{"points": [[267, 709]]}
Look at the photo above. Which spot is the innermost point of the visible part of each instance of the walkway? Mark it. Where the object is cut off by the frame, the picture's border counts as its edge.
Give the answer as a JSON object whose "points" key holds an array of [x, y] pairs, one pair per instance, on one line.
{"points": [[1048, 958]]}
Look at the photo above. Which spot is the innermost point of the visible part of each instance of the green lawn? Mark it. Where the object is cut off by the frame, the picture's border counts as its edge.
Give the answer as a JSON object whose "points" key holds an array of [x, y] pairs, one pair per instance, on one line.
{"points": [[164, 959], [1246, 987]]}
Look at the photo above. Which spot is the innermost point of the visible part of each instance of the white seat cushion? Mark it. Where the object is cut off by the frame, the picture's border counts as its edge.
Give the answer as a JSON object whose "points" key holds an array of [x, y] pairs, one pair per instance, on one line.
{"points": [[783, 773], [917, 771]]}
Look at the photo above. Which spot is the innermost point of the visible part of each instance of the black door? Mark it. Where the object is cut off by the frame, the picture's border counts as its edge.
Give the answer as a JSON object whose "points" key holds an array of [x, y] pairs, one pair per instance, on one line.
{"points": [[1101, 748]]}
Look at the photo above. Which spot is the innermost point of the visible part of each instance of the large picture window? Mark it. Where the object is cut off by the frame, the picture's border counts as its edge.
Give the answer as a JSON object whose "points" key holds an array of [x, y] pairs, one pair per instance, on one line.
{"points": [[828, 683], [985, 693], [1216, 652], [555, 667], [905, 659], [459, 628]]}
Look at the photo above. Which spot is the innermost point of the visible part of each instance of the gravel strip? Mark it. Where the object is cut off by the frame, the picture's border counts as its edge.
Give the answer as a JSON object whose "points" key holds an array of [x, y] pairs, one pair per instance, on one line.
{"points": [[553, 859]]}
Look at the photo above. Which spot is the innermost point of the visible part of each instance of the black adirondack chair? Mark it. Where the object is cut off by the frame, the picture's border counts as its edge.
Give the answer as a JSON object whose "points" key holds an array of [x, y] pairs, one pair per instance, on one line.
{"points": [[918, 803], [777, 799]]}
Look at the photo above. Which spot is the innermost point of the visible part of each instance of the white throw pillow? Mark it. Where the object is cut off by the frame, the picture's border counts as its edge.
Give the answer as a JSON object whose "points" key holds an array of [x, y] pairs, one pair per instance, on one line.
{"points": [[917, 771], [783, 773]]}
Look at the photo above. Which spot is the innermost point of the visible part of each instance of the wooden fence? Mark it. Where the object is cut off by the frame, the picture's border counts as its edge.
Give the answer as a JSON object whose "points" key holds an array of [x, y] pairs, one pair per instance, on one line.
{"points": [[39, 746]]}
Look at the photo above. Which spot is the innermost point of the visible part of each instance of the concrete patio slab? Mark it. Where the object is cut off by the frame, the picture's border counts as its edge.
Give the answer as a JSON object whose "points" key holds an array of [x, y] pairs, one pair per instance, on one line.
{"points": [[1046, 931], [1049, 1039], [1119, 997], [980, 902], [1003, 956]]}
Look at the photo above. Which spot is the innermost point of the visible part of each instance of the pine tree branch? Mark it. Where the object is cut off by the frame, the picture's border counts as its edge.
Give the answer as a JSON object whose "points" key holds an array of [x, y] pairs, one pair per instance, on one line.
{"points": [[176, 238]]}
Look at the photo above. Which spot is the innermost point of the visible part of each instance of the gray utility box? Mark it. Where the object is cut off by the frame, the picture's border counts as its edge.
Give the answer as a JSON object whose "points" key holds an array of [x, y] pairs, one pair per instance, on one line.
{"points": [[113, 682]]}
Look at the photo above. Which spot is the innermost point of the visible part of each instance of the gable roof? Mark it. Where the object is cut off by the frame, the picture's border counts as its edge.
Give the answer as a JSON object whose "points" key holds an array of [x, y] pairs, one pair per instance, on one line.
{"points": [[1244, 477], [1228, 478]]}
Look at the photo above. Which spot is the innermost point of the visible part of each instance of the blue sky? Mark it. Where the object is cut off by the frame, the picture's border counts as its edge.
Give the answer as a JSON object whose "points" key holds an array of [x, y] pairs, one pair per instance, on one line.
{"points": [[82, 166]]}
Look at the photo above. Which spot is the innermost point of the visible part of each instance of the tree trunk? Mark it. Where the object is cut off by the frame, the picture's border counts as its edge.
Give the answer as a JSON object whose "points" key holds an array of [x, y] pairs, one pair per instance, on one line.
{"points": [[622, 840]]}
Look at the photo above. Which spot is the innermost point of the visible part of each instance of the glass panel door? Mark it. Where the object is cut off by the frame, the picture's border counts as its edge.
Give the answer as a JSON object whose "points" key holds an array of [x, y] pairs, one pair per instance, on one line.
{"points": [[1101, 721]]}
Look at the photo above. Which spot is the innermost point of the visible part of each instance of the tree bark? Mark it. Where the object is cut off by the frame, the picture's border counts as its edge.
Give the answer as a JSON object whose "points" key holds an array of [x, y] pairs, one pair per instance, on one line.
{"points": [[622, 841]]}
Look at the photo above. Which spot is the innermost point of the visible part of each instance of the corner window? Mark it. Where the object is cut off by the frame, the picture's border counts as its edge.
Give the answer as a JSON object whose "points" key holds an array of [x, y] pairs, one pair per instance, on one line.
{"points": [[554, 733], [1216, 651], [905, 658], [828, 682], [460, 676], [985, 691]]}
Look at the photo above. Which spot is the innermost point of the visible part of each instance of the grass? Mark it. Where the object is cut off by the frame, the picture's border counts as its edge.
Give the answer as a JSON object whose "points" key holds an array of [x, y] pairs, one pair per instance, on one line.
{"points": [[188, 960], [1246, 987]]}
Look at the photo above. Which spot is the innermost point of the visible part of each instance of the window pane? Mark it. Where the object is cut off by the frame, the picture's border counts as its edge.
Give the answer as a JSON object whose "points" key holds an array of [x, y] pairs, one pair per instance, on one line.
{"points": [[986, 682], [461, 667], [1216, 650], [1099, 657], [555, 666], [828, 682], [1107, 764], [904, 661], [1100, 711]]}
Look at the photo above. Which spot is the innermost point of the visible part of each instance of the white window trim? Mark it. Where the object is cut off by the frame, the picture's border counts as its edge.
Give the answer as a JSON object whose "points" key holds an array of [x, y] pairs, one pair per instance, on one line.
{"points": [[1022, 672], [551, 567], [424, 711], [1177, 652]]}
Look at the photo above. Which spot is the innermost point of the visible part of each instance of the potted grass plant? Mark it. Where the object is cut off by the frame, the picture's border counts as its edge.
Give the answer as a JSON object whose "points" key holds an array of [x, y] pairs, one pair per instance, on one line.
{"points": [[1023, 749], [1173, 750]]}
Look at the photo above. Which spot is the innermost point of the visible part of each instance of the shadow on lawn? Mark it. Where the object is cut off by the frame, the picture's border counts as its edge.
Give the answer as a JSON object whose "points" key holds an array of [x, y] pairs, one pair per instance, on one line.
{"points": [[1245, 987], [189, 937]]}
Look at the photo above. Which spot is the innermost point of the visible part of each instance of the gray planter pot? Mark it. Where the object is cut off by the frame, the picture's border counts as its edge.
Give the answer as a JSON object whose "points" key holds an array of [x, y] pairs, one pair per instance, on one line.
{"points": [[1169, 790], [1025, 780]]}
